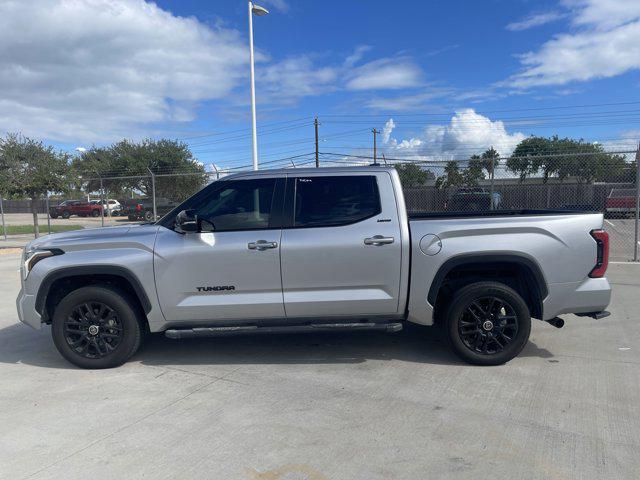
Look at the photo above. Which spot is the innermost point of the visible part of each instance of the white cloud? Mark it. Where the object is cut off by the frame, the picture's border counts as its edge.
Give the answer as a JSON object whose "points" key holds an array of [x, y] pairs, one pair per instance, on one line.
{"points": [[96, 70], [604, 44], [387, 130], [466, 134], [417, 101], [535, 20], [356, 56], [300, 76], [295, 77], [385, 73]]}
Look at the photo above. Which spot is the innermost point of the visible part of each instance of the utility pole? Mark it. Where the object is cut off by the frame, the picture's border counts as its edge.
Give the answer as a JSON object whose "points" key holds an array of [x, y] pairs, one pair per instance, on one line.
{"points": [[260, 11], [636, 243], [153, 193], [101, 200], [315, 124], [4, 227], [375, 148]]}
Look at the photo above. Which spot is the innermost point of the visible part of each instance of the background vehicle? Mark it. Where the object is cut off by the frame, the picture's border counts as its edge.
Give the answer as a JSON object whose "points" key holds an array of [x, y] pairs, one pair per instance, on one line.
{"points": [[473, 199], [110, 206], [142, 208], [621, 201], [75, 207], [314, 250]]}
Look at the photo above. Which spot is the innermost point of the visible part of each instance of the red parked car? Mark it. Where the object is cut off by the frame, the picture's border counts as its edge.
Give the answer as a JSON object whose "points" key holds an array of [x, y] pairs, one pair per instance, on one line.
{"points": [[75, 207], [621, 201]]}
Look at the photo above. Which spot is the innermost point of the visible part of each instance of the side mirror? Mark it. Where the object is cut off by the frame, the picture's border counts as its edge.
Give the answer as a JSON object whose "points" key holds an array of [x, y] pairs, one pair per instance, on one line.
{"points": [[187, 222]]}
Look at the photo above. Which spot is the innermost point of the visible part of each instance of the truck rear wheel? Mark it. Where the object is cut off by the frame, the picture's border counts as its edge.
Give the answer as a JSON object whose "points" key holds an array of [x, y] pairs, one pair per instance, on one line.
{"points": [[487, 323], [96, 327], [95, 213], [66, 214]]}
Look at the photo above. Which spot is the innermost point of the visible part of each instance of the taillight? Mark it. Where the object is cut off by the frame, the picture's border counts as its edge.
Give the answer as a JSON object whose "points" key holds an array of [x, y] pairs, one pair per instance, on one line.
{"points": [[138, 207], [602, 256]]}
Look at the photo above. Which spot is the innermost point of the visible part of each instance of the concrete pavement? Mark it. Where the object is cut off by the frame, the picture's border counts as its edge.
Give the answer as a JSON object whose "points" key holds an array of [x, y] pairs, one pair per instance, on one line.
{"points": [[341, 406]]}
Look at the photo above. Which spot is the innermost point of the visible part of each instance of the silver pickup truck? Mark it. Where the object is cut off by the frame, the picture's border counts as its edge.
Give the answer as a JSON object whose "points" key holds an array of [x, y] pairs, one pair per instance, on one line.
{"points": [[313, 250]]}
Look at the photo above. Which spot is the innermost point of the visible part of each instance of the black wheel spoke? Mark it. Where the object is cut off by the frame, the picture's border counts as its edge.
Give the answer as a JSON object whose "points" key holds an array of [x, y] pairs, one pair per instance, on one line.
{"points": [[93, 330], [488, 325]]}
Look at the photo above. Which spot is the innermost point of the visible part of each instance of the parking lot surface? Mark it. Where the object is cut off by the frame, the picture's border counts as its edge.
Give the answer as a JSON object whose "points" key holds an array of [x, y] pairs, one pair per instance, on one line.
{"points": [[339, 406]]}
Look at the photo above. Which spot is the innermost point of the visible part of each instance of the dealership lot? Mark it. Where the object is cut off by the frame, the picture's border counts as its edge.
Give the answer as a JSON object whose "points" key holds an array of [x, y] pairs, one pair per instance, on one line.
{"points": [[327, 406]]}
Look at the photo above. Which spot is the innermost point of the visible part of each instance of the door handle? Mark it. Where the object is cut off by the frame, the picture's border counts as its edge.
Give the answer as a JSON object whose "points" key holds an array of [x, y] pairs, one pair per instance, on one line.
{"points": [[262, 245], [378, 240]]}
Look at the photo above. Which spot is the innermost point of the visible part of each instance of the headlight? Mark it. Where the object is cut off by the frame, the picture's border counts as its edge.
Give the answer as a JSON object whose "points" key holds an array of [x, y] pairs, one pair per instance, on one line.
{"points": [[31, 257]]}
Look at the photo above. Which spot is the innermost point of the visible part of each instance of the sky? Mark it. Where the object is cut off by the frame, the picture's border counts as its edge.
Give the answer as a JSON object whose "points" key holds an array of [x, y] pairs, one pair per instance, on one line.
{"points": [[438, 79]]}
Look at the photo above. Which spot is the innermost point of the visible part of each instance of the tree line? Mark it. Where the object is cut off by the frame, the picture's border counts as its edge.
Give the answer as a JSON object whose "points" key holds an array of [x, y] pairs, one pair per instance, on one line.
{"points": [[30, 169], [561, 158]]}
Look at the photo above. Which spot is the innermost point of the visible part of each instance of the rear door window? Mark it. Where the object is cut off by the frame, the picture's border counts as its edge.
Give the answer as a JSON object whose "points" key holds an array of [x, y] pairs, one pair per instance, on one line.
{"points": [[335, 201]]}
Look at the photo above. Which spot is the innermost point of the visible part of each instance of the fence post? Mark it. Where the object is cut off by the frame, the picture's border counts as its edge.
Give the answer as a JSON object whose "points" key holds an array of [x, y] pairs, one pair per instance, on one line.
{"points": [[101, 201], [48, 216], [153, 194], [213, 165], [637, 222], [493, 175], [4, 227]]}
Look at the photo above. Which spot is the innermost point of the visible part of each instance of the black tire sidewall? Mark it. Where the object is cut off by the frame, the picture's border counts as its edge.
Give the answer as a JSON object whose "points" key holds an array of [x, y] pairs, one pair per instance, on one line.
{"points": [[66, 214], [95, 213], [466, 295], [114, 299]]}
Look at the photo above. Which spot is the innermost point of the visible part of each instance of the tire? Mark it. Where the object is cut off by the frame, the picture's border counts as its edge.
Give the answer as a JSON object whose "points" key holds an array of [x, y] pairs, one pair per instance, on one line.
{"points": [[53, 215], [117, 333], [66, 214], [487, 323], [95, 213], [148, 216]]}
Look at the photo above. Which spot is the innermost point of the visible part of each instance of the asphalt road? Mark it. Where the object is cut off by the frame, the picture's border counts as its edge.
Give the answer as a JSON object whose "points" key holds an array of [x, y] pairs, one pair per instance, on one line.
{"points": [[341, 406]]}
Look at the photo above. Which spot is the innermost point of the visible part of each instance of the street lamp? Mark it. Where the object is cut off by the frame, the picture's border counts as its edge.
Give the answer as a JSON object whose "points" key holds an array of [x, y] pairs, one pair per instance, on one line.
{"points": [[259, 11]]}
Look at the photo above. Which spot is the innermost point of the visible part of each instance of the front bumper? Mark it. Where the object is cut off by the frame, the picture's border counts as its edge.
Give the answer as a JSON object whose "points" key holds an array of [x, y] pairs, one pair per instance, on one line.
{"points": [[26, 305]]}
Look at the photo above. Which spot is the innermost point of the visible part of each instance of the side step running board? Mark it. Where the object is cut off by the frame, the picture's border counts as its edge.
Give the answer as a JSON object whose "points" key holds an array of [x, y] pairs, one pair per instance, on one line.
{"points": [[178, 333]]}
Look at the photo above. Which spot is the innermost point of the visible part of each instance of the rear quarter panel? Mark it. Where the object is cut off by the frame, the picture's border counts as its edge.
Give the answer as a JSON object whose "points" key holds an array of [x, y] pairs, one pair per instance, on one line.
{"points": [[560, 245]]}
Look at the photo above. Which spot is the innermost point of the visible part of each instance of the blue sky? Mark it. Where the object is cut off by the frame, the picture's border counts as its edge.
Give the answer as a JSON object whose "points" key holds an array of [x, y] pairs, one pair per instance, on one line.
{"points": [[438, 78]]}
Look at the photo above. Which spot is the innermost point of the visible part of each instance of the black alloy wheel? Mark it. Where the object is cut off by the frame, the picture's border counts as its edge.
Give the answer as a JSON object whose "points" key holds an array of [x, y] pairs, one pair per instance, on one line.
{"points": [[98, 326], [487, 323], [93, 330]]}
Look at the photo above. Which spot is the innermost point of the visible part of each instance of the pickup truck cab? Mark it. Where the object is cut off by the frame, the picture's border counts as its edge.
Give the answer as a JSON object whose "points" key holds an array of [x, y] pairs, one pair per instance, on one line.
{"points": [[314, 250]]}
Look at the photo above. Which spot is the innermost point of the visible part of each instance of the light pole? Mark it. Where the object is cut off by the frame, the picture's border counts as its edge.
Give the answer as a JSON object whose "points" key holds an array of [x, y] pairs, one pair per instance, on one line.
{"points": [[259, 11]]}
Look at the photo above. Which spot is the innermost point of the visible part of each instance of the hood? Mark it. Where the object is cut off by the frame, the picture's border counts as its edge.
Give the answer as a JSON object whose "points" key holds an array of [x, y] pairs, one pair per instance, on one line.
{"points": [[100, 236]]}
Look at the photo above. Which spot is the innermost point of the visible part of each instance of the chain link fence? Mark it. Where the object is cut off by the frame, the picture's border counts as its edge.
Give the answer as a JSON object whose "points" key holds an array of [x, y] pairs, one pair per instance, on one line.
{"points": [[605, 182]]}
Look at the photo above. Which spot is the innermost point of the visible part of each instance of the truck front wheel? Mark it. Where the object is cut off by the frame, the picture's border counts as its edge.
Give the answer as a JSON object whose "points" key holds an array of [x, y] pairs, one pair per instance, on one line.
{"points": [[96, 327], [487, 323]]}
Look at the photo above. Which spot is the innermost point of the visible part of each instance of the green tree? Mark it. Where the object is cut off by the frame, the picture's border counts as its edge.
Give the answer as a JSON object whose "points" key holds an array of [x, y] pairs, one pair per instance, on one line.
{"points": [[178, 174], [564, 157], [412, 175], [33, 169], [474, 171], [452, 176], [490, 160]]}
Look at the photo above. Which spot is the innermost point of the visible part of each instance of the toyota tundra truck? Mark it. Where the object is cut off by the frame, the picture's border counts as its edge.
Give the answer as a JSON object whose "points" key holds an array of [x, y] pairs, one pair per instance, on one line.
{"points": [[309, 250]]}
